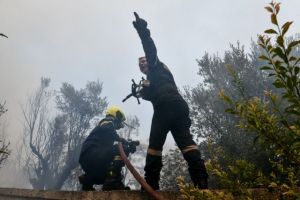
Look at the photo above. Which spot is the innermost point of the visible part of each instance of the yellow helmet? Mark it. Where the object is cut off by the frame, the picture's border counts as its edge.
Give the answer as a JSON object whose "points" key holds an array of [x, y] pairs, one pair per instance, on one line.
{"points": [[116, 112]]}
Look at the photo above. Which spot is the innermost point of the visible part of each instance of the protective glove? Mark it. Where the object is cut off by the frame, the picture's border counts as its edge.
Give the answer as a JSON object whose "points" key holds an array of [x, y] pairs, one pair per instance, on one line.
{"points": [[145, 93], [141, 26], [132, 148]]}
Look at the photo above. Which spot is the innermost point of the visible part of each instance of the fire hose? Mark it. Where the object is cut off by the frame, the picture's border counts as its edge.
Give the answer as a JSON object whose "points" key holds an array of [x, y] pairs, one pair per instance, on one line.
{"points": [[137, 176]]}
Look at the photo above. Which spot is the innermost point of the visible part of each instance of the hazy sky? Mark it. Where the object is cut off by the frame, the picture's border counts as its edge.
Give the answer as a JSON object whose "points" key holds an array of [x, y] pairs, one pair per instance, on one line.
{"points": [[78, 41]]}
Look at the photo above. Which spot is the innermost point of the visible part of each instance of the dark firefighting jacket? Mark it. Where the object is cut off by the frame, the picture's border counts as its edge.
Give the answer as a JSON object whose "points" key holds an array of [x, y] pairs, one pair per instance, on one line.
{"points": [[162, 86], [101, 138]]}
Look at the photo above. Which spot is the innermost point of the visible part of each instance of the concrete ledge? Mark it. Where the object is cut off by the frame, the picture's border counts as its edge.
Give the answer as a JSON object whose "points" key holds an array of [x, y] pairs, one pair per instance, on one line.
{"points": [[26, 194]]}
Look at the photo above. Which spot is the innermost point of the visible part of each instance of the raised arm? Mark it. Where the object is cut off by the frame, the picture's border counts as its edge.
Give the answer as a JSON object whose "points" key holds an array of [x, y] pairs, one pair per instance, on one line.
{"points": [[148, 44]]}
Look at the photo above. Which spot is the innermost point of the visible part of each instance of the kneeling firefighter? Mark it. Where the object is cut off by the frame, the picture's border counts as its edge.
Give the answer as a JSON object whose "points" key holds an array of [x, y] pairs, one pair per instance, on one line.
{"points": [[99, 157]]}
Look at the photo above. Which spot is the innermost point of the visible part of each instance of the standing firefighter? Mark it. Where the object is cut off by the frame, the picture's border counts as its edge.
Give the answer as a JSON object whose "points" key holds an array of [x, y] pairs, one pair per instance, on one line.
{"points": [[171, 113], [99, 157]]}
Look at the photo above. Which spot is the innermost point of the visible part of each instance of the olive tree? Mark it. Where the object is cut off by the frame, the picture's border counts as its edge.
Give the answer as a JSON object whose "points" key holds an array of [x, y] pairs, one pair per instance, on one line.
{"points": [[55, 125]]}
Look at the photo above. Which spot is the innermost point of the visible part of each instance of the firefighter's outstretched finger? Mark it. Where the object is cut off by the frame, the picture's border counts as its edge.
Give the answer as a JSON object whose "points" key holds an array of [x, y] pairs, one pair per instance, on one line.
{"points": [[136, 16]]}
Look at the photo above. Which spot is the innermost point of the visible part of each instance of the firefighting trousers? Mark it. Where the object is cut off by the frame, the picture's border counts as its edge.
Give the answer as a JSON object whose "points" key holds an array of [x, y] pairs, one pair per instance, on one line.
{"points": [[174, 117]]}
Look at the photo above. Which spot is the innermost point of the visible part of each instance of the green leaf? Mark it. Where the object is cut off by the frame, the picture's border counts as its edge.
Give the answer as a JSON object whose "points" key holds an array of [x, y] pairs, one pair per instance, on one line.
{"points": [[282, 68], [285, 27], [273, 55], [294, 79], [262, 45], [277, 8], [269, 9], [280, 41], [278, 84], [297, 61], [274, 19], [269, 47], [292, 58], [289, 82], [271, 31], [286, 124], [227, 99], [280, 53], [293, 112], [285, 96], [261, 38], [294, 43], [231, 111], [269, 75], [296, 70], [266, 68], [292, 99], [278, 63], [263, 57]]}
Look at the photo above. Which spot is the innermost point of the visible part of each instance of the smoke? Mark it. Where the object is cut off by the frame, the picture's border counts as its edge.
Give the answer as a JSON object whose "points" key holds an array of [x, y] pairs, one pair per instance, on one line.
{"points": [[75, 41]]}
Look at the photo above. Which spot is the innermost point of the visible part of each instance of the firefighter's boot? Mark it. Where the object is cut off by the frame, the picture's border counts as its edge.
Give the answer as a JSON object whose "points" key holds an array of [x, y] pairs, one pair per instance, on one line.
{"points": [[152, 170], [86, 183], [197, 169]]}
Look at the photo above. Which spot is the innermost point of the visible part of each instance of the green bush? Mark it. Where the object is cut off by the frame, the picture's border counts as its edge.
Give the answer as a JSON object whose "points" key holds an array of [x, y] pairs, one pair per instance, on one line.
{"points": [[275, 119], [189, 192]]}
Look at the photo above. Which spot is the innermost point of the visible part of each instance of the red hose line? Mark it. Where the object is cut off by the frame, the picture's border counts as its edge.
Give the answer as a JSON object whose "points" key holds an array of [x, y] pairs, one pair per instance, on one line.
{"points": [[137, 176]]}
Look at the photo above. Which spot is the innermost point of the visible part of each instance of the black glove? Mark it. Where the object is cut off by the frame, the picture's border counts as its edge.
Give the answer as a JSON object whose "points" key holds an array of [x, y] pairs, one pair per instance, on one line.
{"points": [[125, 145], [132, 148], [141, 26], [145, 93]]}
